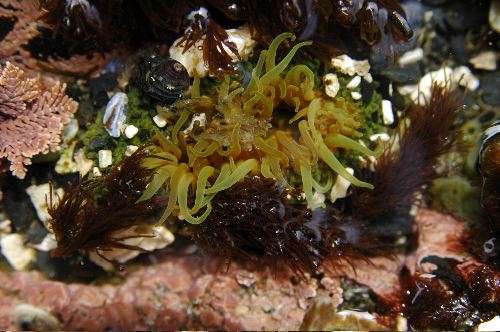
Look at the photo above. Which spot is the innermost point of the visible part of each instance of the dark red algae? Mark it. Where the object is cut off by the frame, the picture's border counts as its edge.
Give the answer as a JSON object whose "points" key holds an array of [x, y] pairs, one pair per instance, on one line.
{"points": [[453, 297], [260, 220], [88, 215]]}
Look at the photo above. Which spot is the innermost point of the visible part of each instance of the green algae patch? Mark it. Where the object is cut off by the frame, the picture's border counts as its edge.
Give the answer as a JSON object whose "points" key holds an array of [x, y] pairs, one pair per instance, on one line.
{"points": [[457, 195], [137, 114]]}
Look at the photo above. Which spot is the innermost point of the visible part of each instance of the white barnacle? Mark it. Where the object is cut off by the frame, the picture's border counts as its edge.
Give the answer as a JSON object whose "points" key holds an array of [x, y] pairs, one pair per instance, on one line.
{"points": [[90, 11], [115, 114]]}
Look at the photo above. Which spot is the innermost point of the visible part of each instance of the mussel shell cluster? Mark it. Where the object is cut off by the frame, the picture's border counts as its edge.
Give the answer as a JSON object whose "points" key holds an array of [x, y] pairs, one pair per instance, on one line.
{"points": [[162, 78]]}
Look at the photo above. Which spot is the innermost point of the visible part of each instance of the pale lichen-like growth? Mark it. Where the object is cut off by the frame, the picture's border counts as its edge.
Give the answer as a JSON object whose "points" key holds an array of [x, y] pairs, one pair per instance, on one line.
{"points": [[238, 138]]}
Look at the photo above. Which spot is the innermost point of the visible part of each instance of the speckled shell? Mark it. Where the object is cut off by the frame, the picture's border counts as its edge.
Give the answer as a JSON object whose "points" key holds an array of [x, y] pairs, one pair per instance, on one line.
{"points": [[162, 78], [490, 137]]}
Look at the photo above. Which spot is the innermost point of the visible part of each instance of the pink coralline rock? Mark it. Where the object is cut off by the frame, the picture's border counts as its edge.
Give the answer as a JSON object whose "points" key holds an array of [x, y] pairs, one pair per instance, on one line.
{"points": [[438, 235], [196, 292], [31, 118], [178, 292], [380, 274]]}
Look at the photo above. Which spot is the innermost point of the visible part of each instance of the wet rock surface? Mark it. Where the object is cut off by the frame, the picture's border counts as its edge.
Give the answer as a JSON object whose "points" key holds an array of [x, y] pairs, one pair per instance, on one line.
{"points": [[172, 294]]}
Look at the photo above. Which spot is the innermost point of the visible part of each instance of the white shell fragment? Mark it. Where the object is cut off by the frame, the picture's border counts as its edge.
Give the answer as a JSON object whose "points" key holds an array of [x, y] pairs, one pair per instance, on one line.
{"points": [[115, 114], [159, 121], [105, 158], [131, 131], [486, 60], [5, 227], [40, 196], [83, 164], [161, 238], [201, 118], [332, 85], [339, 189], [411, 57], [242, 38], [96, 172], [28, 317], [356, 95], [491, 325], [383, 137], [351, 67], [192, 58], [387, 114], [446, 77], [48, 243], [70, 130], [15, 251], [465, 78], [130, 150], [354, 83], [368, 78]]}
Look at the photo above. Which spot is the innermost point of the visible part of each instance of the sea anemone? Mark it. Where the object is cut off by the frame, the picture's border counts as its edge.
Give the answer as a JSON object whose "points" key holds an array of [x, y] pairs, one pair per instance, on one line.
{"points": [[237, 139]]}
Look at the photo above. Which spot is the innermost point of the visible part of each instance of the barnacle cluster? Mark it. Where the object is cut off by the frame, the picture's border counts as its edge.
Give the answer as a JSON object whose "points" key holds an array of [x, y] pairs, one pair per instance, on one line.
{"points": [[97, 24], [239, 140]]}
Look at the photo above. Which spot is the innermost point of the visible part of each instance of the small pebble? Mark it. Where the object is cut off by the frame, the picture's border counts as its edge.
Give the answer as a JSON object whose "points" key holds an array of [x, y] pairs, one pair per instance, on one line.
{"points": [[96, 172], [465, 78], [131, 131], [486, 60], [356, 95], [354, 83], [159, 121], [130, 150], [387, 114], [47, 244], [105, 158], [411, 57], [384, 137], [16, 252], [5, 226]]}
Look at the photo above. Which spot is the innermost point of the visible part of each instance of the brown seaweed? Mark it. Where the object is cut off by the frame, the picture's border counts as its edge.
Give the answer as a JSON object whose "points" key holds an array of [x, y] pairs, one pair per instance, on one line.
{"points": [[215, 41], [261, 221], [402, 172], [88, 215]]}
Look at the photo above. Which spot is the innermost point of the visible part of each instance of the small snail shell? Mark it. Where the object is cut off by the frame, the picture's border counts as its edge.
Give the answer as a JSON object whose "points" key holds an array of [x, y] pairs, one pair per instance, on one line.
{"points": [[162, 78]]}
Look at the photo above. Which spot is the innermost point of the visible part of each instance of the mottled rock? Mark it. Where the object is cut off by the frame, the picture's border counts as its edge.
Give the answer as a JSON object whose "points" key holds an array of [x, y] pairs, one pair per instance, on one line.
{"points": [[465, 14], [490, 84], [17, 205], [408, 74], [438, 235]]}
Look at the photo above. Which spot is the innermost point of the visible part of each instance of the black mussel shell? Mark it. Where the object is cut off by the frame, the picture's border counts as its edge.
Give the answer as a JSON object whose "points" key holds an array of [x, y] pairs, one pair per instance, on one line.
{"points": [[162, 78]]}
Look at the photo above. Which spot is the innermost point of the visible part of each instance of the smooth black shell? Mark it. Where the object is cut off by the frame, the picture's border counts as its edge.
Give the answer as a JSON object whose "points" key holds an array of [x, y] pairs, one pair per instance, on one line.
{"points": [[162, 78]]}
